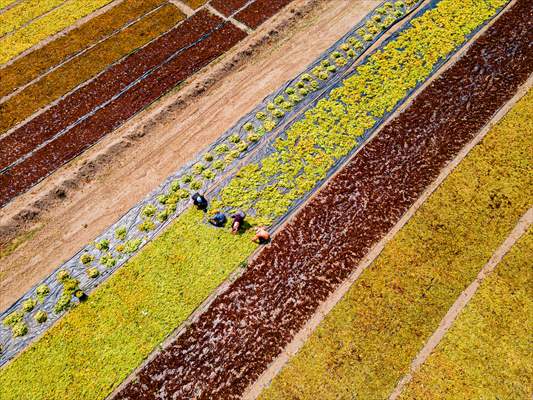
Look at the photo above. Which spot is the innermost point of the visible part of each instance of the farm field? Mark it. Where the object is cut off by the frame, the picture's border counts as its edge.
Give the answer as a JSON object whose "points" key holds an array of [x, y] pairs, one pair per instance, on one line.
{"points": [[50, 120], [111, 254], [383, 133], [498, 347], [368, 340], [156, 213], [83, 214]]}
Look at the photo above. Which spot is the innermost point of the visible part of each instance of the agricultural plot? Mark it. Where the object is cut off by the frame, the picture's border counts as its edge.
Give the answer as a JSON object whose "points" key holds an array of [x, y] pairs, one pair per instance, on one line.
{"points": [[31, 33], [92, 72], [247, 326], [487, 352], [268, 165], [98, 260], [368, 340]]}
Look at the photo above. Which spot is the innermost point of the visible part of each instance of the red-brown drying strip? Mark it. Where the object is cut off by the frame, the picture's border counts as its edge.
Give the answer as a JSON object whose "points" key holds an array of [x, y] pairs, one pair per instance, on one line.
{"points": [[259, 11], [228, 7], [245, 328], [104, 87], [50, 157]]}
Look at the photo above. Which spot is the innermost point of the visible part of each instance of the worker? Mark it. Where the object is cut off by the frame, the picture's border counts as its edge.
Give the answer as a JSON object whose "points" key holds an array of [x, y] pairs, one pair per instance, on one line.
{"points": [[199, 201], [261, 235], [238, 219], [219, 219]]}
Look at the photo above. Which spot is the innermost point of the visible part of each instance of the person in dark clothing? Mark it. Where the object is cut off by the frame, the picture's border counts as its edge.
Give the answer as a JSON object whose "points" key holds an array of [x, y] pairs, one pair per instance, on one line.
{"points": [[219, 219], [238, 219], [199, 201]]}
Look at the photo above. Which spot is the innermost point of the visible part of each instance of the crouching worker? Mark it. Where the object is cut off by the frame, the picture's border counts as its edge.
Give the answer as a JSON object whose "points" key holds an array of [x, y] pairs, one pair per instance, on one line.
{"points": [[219, 219], [199, 201], [238, 219], [261, 235]]}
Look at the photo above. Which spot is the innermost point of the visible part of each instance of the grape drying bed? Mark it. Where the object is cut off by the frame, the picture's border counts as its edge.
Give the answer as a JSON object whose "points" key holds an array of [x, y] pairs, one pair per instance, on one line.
{"points": [[245, 328], [38, 147]]}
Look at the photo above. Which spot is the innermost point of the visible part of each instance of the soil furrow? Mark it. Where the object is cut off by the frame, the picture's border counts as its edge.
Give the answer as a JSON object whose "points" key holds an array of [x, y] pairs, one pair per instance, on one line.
{"points": [[104, 87], [59, 151], [259, 11], [244, 329]]}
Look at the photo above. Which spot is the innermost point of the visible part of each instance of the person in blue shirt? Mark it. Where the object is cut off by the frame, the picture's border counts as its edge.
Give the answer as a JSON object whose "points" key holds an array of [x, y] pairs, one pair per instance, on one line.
{"points": [[219, 219]]}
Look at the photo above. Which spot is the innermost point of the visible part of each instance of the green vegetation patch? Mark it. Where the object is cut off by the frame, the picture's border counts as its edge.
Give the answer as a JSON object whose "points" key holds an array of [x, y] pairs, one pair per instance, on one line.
{"points": [[331, 129], [100, 341], [487, 353], [369, 339]]}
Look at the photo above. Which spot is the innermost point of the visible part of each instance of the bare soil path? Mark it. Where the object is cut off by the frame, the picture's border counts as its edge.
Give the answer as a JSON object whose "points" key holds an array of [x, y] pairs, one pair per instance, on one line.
{"points": [[70, 208]]}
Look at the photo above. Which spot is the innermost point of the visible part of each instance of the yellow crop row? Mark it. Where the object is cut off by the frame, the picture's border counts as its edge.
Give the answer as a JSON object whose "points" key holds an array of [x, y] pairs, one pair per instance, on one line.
{"points": [[53, 22], [487, 353], [24, 12]]}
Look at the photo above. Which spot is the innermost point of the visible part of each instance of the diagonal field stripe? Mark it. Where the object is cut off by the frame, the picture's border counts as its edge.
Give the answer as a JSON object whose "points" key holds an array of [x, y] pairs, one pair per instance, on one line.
{"points": [[465, 297]]}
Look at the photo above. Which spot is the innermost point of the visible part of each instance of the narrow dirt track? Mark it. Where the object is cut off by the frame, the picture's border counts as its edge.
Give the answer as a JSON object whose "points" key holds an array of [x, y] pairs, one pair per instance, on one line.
{"points": [[244, 329], [140, 157]]}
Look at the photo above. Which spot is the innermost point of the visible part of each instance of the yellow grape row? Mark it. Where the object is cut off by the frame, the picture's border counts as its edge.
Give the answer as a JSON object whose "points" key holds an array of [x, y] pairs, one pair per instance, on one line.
{"points": [[5, 3], [53, 22], [24, 12]]}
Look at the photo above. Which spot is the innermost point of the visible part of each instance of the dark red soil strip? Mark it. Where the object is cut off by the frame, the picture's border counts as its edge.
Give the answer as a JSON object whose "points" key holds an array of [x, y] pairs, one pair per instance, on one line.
{"points": [[249, 325], [104, 87], [259, 11], [56, 153], [228, 7]]}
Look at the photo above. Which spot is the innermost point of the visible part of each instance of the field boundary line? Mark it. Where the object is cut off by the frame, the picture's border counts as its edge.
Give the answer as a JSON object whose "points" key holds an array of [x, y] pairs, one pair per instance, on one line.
{"points": [[38, 17], [10, 6], [67, 60], [462, 301], [312, 324], [53, 37], [188, 11], [238, 24]]}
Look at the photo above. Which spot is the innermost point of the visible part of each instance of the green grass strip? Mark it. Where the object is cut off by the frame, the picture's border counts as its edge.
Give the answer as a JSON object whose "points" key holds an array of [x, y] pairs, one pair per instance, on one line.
{"points": [[80, 69], [53, 22], [330, 130], [39, 61], [487, 353], [367, 342], [25, 12], [97, 344]]}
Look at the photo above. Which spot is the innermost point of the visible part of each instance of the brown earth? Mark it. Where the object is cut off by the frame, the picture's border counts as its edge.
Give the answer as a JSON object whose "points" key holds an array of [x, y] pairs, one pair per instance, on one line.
{"points": [[70, 208]]}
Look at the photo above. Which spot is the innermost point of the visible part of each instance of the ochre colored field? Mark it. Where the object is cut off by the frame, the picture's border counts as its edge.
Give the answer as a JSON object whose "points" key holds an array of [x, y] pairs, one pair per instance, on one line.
{"points": [[27, 68], [195, 3], [368, 340], [487, 353], [82, 68]]}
